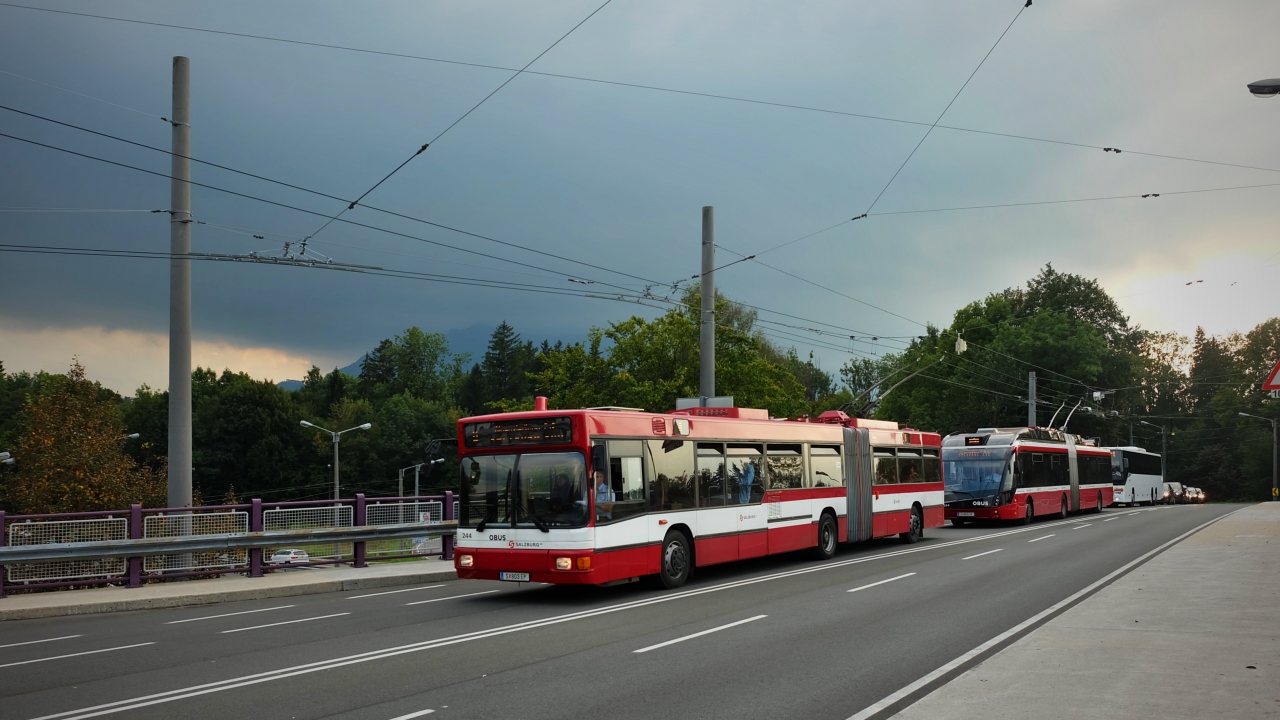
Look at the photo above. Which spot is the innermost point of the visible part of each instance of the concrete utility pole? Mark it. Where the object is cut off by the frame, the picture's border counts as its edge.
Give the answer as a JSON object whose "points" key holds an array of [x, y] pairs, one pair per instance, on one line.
{"points": [[180, 290], [1031, 399], [707, 337]]}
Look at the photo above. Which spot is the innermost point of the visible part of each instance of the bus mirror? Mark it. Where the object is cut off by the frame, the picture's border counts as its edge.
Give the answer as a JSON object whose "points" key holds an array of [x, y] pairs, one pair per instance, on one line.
{"points": [[598, 460]]}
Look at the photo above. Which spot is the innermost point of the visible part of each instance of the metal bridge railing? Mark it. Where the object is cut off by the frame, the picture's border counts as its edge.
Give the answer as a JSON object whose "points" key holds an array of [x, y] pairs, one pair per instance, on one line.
{"points": [[138, 545]]}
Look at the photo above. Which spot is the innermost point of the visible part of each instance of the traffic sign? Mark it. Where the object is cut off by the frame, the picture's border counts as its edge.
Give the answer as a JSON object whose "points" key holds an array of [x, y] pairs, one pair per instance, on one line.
{"points": [[1275, 492], [1273, 380]]}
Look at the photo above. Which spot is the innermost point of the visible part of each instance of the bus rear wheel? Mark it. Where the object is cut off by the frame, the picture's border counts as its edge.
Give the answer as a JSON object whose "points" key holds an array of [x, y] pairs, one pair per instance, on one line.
{"points": [[827, 537], [916, 531], [1029, 515], [1062, 508], [675, 560], [1098, 509]]}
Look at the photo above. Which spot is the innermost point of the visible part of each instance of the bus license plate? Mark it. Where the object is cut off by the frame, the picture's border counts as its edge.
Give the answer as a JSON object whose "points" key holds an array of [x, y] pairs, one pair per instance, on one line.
{"points": [[516, 577], [964, 514]]}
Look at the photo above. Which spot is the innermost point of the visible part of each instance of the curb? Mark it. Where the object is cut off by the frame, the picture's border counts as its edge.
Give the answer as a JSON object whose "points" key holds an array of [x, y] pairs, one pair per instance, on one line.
{"points": [[211, 598]]}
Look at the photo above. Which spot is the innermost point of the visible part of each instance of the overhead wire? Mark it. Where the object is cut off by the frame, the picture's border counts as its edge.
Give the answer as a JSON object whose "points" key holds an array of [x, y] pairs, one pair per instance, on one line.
{"points": [[463, 117], [641, 86], [90, 97]]}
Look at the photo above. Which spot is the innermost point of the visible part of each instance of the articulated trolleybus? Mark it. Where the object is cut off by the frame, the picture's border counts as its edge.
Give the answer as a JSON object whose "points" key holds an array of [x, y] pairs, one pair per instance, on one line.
{"points": [[607, 495], [1023, 472]]}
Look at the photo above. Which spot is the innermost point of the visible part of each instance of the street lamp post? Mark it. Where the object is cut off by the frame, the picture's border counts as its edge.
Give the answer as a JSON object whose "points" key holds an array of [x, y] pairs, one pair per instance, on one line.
{"points": [[337, 437], [1275, 460]]}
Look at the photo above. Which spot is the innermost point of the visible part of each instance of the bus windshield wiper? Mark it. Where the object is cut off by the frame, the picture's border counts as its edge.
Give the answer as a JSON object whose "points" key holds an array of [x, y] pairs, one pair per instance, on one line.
{"points": [[537, 521]]}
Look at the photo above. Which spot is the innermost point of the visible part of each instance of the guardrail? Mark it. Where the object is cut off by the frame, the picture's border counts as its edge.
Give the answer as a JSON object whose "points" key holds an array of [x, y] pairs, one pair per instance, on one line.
{"points": [[144, 544]]}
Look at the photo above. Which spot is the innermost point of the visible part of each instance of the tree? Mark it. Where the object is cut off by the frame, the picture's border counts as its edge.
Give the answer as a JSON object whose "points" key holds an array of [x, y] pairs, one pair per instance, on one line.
{"points": [[506, 366], [70, 451]]}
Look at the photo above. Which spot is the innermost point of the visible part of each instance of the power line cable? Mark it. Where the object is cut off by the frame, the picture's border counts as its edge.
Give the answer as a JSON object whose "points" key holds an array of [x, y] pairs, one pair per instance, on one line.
{"points": [[335, 197], [656, 88], [463, 117], [90, 97]]}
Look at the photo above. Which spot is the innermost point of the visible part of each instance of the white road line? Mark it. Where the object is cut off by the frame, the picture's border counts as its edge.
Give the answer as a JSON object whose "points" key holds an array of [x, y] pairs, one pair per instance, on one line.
{"points": [[864, 587], [875, 709], [452, 597], [392, 592], [411, 715], [33, 642], [383, 653], [982, 553], [700, 634], [286, 622], [1042, 537], [242, 612], [1082, 526], [88, 652], [1108, 520]]}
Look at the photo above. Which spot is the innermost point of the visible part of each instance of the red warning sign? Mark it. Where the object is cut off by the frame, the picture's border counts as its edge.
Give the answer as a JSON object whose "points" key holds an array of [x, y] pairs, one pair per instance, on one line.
{"points": [[1273, 380]]}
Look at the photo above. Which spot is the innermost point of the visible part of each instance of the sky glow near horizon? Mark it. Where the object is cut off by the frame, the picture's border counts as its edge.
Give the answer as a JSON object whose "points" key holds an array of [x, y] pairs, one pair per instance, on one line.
{"points": [[617, 176]]}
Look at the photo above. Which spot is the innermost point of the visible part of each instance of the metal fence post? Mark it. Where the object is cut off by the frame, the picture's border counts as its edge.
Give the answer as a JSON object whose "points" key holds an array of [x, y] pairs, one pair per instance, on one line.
{"points": [[135, 533], [255, 525], [4, 540], [359, 546], [446, 542]]}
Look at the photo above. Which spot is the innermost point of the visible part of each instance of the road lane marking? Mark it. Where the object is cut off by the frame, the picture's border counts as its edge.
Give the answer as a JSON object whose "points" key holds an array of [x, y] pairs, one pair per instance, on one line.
{"points": [[242, 612], [864, 587], [982, 553], [87, 652], [699, 634], [1108, 520], [1082, 526], [33, 642], [342, 661], [392, 592], [452, 597], [412, 715], [875, 709], [1042, 537], [286, 622]]}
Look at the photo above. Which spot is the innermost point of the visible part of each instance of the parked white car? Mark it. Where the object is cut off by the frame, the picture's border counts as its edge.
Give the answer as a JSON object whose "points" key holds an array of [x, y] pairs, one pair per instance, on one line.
{"points": [[286, 557]]}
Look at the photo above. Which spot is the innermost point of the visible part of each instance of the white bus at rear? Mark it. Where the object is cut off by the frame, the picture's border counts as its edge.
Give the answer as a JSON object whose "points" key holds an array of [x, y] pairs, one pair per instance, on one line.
{"points": [[1137, 476]]}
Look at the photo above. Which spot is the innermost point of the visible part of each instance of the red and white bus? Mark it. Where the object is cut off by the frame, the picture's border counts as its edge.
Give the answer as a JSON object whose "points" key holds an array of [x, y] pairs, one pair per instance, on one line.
{"points": [[605, 495], [1023, 472]]}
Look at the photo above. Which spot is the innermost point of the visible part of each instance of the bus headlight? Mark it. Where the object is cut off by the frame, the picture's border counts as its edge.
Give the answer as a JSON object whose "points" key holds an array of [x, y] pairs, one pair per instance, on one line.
{"points": [[564, 563], [466, 561]]}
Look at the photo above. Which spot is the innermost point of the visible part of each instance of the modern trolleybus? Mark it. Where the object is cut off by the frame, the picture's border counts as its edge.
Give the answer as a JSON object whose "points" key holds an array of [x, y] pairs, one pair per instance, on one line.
{"points": [[1023, 472], [604, 495], [1137, 475]]}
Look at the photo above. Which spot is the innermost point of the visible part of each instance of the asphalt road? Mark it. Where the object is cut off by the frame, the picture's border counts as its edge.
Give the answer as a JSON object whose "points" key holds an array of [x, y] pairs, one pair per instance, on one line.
{"points": [[769, 638]]}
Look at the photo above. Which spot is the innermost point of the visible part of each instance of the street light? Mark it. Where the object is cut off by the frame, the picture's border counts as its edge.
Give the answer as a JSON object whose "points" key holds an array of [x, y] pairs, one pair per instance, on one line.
{"points": [[1275, 492], [337, 437], [1265, 89]]}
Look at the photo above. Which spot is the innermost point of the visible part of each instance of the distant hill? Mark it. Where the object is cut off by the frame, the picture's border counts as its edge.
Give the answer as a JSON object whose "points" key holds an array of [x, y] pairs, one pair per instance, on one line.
{"points": [[296, 385]]}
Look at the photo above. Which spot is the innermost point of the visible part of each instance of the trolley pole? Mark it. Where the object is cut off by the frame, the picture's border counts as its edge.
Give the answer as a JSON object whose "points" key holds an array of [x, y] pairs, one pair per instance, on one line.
{"points": [[180, 289], [1031, 399], [707, 336]]}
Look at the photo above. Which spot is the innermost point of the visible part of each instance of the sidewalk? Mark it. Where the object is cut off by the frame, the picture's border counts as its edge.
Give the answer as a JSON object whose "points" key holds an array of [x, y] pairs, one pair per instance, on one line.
{"points": [[1206, 642], [281, 583]]}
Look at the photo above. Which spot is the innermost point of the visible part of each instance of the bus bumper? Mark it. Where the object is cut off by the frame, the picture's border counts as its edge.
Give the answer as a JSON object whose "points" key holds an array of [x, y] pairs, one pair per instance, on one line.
{"points": [[1003, 512], [540, 565]]}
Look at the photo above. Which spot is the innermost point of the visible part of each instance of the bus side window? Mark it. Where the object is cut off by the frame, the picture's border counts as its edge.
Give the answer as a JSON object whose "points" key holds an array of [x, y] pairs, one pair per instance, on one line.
{"points": [[710, 474], [626, 482], [786, 466], [886, 467], [932, 466], [745, 481], [826, 468], [910, 467], [673, 473]]}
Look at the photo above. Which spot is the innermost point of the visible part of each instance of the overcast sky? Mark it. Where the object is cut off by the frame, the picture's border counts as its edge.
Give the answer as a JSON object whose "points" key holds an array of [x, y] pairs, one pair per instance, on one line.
{"points": [[616, 176]]}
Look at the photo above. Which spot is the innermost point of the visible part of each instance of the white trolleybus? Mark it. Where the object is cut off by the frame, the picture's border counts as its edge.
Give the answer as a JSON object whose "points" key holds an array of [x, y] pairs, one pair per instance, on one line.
{"points": [[602, 495], [1138, 476], [1023, 472]]}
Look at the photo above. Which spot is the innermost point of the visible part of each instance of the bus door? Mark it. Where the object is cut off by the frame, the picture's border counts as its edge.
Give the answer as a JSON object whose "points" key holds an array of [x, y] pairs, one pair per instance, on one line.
{"points": [[1073, 469], [857, 481]]}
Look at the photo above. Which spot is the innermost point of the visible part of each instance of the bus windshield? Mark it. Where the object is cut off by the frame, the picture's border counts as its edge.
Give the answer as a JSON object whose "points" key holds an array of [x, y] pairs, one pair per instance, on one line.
{"points": [[971, 473], [525, 490]]}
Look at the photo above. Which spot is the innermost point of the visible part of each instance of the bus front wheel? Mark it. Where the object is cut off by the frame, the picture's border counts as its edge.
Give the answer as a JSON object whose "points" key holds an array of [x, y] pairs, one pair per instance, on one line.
{"points": [[1029, 514], [675, 560]]}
